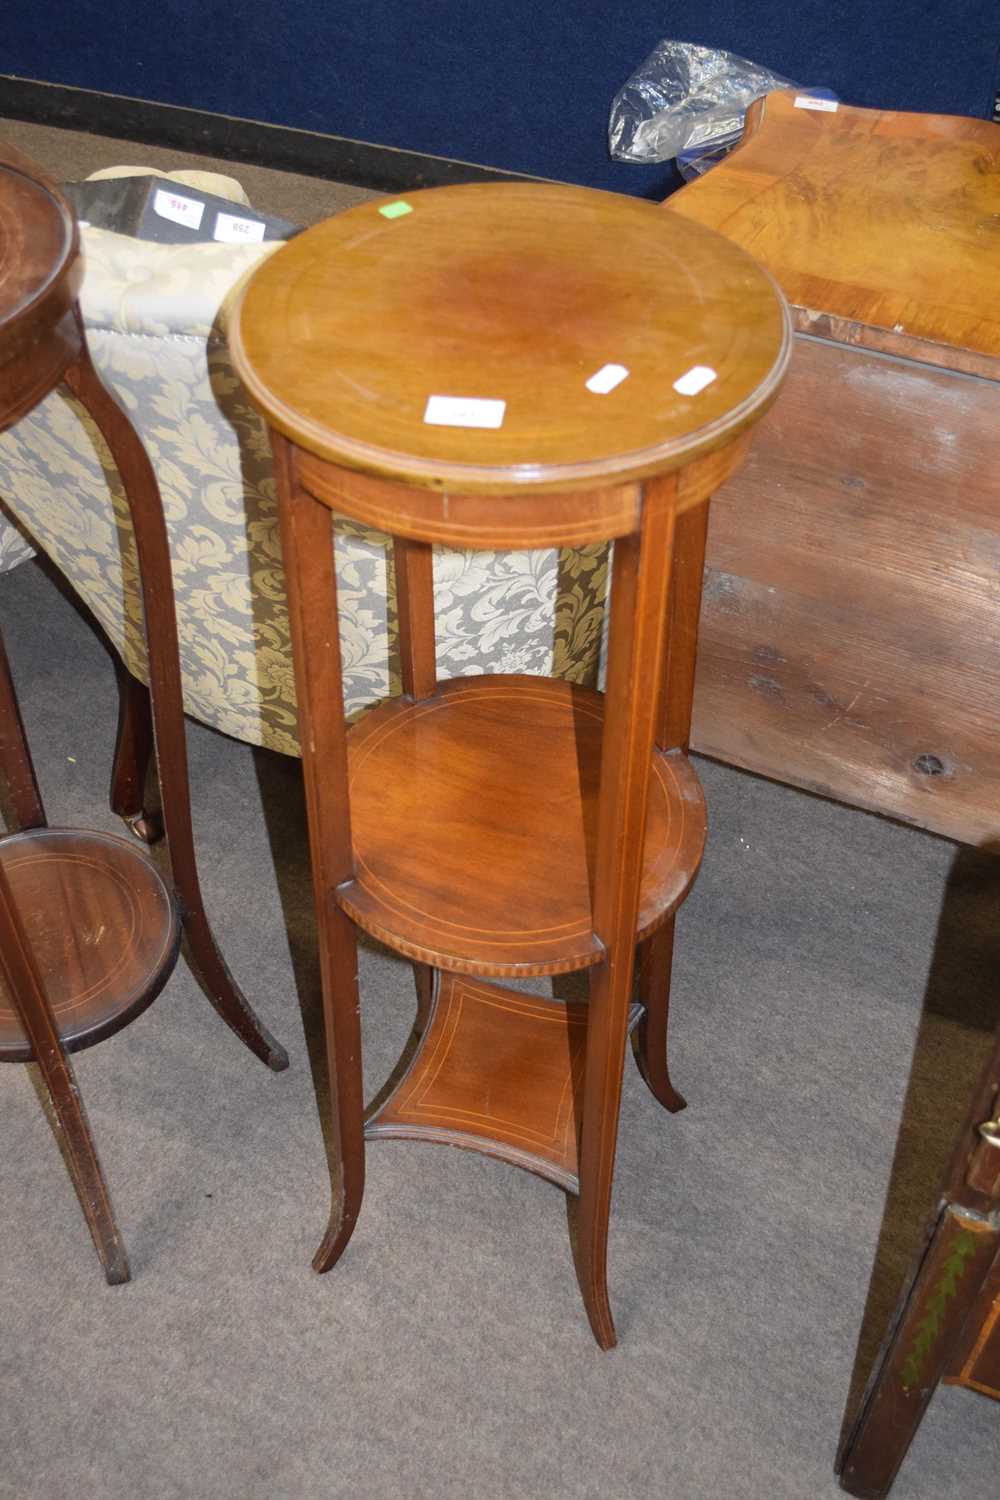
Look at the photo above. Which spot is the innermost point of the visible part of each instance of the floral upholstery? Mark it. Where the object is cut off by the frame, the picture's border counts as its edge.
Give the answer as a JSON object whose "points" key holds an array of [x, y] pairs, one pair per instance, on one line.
{"points": [[156, 320], [14, 548]]}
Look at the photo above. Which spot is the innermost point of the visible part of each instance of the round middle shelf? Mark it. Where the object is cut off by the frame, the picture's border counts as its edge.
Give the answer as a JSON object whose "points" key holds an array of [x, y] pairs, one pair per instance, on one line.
{"points": [[474, 821], [103, 929]]}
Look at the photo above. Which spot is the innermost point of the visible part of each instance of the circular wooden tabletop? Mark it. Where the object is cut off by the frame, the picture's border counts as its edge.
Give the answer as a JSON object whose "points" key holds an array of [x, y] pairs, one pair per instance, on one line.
{"points": [[39, 281], [500, 881], [493, 336], [102, 926]]}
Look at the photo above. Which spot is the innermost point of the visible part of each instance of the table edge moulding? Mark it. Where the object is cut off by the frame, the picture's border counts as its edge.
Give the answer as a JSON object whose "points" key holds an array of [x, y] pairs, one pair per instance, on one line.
{"points": [[89, 928], [506, 826]]}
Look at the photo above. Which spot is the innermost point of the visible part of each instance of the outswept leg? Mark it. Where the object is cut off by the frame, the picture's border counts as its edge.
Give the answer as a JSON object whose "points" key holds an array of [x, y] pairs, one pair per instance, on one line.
{"points": [[133, 755], [673, 731], [70, 1118], [339, 962], [649, 1037], [590, 1215], [153, 549], [639, 596]]}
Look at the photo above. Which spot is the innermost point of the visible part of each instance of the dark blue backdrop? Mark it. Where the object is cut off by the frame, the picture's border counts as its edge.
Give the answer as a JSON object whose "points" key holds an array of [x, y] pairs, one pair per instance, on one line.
{"points": [[517, 84]]}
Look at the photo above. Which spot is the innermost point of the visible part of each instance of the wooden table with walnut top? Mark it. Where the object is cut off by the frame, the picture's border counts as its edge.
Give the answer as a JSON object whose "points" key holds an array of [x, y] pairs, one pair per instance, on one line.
{"points": [[507, 367], [850, 632]]}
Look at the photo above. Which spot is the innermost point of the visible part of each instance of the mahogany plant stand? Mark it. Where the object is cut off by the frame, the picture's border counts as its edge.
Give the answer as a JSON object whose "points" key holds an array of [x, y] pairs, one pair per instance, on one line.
{"points": [[89, 931], [506, 367], [89, 934]]}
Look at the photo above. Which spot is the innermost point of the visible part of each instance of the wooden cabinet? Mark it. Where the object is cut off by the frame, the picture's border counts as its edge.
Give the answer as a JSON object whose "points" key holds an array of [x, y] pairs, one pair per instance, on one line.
{"points": [[850, 636]]}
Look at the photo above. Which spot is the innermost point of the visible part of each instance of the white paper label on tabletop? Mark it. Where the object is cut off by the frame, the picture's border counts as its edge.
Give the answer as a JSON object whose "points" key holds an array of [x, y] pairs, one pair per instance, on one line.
{"points": [[179, 210], [606, 378], [694, 380], [806, 101], [234, 231], [464, 411]]}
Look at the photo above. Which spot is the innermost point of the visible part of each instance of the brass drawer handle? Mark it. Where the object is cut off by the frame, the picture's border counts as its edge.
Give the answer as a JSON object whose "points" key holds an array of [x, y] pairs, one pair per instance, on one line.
{"points": [[990, 1131]]}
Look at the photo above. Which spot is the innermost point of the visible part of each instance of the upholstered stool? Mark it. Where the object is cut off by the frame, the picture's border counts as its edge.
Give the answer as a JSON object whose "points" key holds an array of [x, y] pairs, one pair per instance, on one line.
{"points": [[506, 367]]}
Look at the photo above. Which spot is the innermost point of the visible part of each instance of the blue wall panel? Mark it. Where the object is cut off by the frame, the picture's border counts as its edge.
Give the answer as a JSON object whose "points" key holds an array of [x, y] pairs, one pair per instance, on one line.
{"points": [[518, 85]]}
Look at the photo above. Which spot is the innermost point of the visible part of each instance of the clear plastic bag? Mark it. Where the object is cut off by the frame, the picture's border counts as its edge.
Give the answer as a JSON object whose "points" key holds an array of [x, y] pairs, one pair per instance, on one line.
{"points": [[684, 96]]}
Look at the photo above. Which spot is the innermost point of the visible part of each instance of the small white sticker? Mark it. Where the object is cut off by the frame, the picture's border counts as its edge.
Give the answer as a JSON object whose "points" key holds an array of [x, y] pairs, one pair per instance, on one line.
{"points": [[694, 380], [179, 210], [806, 101], [464, 411], [235, 231], [607, 377]]}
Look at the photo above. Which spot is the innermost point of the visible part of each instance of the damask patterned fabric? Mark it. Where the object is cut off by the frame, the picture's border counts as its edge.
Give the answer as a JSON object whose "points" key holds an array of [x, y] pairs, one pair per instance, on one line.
{"points": [[156, 320]]}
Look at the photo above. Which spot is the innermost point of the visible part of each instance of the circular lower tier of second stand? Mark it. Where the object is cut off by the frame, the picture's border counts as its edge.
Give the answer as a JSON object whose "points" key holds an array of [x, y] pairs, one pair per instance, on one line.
{"points": [[474, 820], [103, 928]]}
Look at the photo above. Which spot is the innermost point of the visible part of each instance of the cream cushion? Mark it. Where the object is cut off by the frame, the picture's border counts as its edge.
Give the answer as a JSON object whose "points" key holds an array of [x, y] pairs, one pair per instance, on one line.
{"points": [[204, 182], [156, 324]]}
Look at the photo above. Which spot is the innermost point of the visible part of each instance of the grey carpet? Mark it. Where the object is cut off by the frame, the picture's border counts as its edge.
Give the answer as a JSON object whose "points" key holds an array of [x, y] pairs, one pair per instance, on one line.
{"points": [[835, 981], [448, 1354]]}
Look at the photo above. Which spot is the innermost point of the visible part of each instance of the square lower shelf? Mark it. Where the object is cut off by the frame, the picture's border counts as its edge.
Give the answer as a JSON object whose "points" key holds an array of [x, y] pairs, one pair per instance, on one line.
{"points": [[496, 1071]]}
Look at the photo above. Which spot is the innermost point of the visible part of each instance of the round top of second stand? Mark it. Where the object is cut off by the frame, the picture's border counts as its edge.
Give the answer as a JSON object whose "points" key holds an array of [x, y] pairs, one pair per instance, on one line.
{"points": [[454, 338], [103, 928], [39, 279]]}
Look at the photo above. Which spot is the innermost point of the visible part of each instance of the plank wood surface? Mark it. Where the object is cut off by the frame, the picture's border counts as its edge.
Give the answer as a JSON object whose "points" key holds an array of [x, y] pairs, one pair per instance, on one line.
{"points": [[850, 633]]}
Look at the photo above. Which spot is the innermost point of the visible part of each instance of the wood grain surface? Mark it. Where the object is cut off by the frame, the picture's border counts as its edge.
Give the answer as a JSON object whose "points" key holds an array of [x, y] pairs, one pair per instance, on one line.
{"points": [[307, 546], [518, 294], [102, 928], [850, 634], [497, 1072], [882, 228], [505, 825], [40, 276], [474, 820]]}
